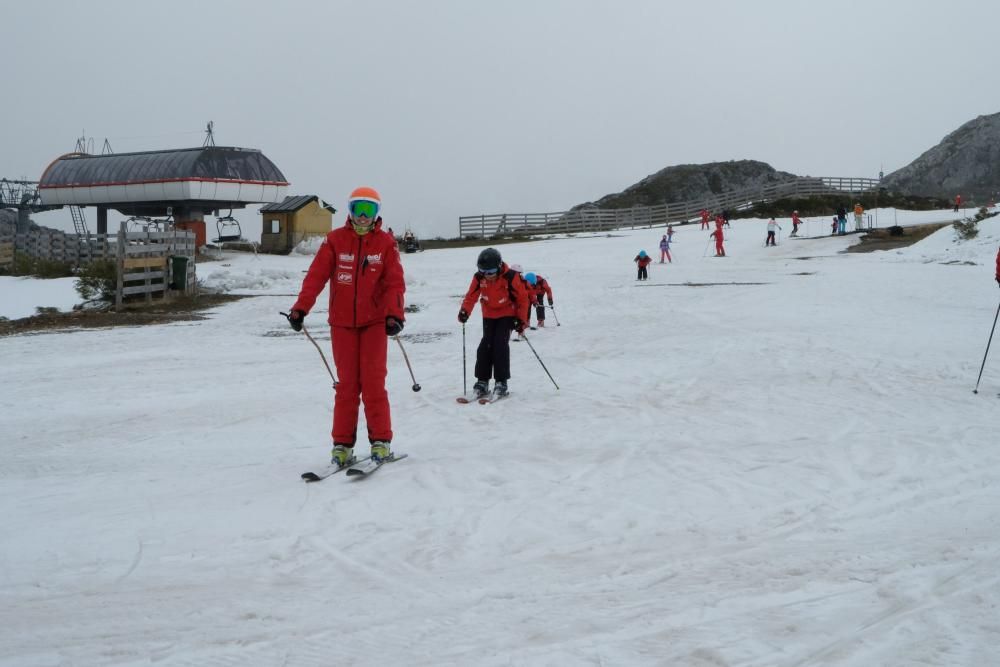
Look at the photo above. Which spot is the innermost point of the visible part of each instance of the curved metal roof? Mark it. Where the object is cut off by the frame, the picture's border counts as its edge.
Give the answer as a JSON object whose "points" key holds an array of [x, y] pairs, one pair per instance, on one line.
{"points": [[209, 163]]}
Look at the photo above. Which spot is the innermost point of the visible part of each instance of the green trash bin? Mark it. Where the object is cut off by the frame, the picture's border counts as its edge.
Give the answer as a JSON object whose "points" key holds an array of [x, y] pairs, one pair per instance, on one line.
{"points": [[178, 264]]}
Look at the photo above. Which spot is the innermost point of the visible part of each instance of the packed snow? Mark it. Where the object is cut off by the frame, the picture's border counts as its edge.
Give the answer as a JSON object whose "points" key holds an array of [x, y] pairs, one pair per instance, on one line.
{"points": [[769, 459]]}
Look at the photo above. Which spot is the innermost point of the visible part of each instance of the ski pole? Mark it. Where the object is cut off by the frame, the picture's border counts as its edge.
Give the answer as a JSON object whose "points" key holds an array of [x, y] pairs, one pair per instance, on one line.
{"points": [[540, 360], [555, 316], [706, 247], [318, 349], [416, 387], [465, 386], [976, 390]]}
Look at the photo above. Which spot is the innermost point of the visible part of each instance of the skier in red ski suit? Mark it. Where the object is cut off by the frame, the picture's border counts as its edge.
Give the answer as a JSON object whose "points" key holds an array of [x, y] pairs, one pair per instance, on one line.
{"points": [[717, 235], [361, 264]]}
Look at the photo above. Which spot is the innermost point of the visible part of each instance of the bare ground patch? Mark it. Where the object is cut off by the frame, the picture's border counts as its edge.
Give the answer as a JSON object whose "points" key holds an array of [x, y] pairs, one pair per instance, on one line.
{"points": [[883, 239], [178, 309]]}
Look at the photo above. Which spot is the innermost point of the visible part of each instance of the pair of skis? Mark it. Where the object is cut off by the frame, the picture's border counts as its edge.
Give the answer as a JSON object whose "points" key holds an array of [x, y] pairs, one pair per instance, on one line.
{"points": [[482, 400], [361, 468]]}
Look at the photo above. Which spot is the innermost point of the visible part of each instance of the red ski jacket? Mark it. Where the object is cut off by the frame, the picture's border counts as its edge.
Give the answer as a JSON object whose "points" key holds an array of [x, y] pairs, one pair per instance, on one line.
{"points": [[643, 261], [541, 289], [365, 276], [503, 296]]}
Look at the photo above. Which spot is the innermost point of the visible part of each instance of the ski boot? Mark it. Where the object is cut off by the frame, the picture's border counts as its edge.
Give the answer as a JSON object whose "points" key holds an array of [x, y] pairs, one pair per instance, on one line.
{"points": [[381, 451], [342, 456], [499, 390], [481, 389]]}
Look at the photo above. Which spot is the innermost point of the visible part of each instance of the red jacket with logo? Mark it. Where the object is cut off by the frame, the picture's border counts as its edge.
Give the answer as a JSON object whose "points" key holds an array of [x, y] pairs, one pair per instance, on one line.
{"points": [[504, 296], [365, 276]]}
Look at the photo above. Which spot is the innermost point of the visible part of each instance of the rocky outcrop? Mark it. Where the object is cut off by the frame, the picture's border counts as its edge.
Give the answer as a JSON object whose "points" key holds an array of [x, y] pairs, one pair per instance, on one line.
{"points": [[691, 182], [966, 162]]}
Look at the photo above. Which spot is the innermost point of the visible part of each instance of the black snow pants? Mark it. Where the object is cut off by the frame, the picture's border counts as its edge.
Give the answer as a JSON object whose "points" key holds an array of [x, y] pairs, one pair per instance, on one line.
{"points": [[493, 354]]}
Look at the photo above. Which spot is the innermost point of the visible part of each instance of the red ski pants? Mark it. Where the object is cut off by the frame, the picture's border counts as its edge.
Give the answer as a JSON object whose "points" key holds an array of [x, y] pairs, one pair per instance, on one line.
{"points": [[719, 250], [360, 357]]}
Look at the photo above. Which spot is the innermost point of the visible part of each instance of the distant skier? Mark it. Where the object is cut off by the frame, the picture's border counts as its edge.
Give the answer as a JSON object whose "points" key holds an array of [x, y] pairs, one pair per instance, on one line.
{"points": [[717, 235], [665, 249], [841, 220], [998, 267], [833, 226], [859, 212], [642, 260], [772, 226], [504, 301], [795, 223], [361, 264], [542, 291], [725, 219], [958, 202], [704, 218]]}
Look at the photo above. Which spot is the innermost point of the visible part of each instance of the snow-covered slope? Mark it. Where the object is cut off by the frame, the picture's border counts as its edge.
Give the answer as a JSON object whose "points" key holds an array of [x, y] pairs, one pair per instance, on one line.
{"points": [[771, 459]]}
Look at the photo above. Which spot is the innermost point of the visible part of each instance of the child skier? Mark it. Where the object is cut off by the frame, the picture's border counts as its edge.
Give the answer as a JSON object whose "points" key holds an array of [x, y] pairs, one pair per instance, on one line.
{"points": [[665, 249], [795, 223], [642, 260], [717, 235], [361, 264], [771, 227], [542, 290], [504, 301]]}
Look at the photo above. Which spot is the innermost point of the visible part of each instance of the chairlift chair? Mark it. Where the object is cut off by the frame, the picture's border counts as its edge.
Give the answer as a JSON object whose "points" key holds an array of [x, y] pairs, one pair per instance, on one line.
{"points": [[228, 229]]}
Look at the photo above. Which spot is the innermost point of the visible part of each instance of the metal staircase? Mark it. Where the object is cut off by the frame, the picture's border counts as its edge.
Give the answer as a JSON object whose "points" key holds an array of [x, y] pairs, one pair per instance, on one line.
{"points": [[79, 222]]}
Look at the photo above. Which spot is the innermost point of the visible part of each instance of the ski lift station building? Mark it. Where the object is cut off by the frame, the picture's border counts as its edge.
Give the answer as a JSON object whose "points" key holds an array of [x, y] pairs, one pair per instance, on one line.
{"points": [[187, 183], [292, 220]]}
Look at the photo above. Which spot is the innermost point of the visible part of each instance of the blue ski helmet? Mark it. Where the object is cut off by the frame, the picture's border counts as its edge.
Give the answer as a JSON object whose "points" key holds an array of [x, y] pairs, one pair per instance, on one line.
{"points": [[531, 278], [642, 253]]}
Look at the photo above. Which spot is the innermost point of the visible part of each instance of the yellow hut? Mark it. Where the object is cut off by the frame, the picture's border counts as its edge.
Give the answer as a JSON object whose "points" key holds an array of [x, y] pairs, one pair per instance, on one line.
{"points": [[287, 223]]}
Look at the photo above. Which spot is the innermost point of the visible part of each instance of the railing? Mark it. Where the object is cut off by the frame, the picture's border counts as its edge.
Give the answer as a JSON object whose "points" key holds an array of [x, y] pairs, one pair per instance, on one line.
{"points": [[599, 220], [55, 245]]}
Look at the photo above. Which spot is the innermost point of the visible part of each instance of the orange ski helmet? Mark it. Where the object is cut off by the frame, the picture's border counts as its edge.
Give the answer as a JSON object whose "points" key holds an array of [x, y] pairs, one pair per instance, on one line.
{"points": [[363, 207]]}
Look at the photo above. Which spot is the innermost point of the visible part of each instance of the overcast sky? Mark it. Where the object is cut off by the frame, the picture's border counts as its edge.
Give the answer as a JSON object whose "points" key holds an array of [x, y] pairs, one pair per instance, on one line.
{"points": [[460, 107]]}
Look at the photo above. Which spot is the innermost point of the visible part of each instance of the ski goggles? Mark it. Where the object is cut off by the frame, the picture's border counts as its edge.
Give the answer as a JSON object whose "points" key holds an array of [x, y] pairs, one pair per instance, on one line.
{"points": [[364, 208], [489, 272]]}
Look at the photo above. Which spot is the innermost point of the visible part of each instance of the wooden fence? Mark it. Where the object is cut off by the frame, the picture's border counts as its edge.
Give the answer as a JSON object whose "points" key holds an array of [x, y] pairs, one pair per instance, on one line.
{"points": [[6, 255], [146, 263], [598, 220], [54, 245]]}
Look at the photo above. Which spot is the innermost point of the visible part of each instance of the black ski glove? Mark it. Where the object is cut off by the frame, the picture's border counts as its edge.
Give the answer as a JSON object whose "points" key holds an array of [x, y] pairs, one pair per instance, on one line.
{"points": [[393, 326], [550, 302], [296, 318], [463, 316], [518, 326]]}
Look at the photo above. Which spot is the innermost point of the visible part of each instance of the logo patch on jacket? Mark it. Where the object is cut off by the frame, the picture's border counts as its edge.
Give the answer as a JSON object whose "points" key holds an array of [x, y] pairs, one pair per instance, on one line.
{"points": [[345, 277], [374, 259], [346, 257]]}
